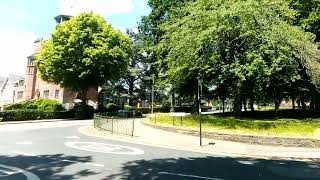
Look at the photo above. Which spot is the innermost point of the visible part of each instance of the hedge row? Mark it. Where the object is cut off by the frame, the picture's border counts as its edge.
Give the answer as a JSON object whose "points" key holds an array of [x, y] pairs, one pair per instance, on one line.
{"points": [[23, 115], [37, 104], [167, 109]]}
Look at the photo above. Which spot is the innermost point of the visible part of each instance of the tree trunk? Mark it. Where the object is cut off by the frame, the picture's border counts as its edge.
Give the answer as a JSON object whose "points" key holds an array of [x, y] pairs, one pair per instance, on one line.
{"points": [[293, 103], [173, 102], [237, 104], [83, 97], [303, 103], [131, 93], [245, 104], [317, 101], [276, 104], [223, 109], [252, 102], [312, 102]]}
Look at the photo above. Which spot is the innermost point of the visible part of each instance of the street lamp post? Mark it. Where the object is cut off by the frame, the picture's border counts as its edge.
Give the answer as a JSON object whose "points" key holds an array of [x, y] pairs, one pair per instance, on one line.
{"points": [[152, 94], [199, 110]]}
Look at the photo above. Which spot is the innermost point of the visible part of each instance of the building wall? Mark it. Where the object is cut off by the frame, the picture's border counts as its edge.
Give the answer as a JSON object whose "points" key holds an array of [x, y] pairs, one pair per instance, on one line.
{"points": [[42, 86], [7, 94]]}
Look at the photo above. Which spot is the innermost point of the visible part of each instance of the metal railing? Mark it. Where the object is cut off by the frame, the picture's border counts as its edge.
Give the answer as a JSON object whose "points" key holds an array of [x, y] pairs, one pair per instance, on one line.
{"points": [[119, 123]]}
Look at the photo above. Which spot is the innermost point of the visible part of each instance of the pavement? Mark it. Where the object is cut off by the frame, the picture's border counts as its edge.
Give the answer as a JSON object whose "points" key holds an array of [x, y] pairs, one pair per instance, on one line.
{"points": [[148, 135], [57, 150]]}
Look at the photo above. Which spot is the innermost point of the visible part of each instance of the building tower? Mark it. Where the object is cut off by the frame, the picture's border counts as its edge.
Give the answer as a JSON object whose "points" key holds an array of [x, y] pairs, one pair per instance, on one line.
{"points": [[31, 73]]}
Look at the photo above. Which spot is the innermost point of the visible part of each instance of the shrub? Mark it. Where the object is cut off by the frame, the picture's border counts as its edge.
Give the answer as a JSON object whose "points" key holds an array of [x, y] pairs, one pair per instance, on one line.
{"points": [[83, 112], [111, 107], [23, 115], [127, 107], [39, 104]]}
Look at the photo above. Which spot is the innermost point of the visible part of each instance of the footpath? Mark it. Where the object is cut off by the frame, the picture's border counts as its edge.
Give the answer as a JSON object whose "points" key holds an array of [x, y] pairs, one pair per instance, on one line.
{"points": [[148, 135]]}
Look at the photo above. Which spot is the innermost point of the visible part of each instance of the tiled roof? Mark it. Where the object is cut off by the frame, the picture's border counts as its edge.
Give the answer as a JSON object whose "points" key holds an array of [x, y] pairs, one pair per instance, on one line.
{"points": [[15, 78]]}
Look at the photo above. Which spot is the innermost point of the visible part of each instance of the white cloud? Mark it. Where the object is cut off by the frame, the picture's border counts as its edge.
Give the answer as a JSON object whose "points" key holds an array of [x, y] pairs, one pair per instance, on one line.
{"points": [[102, 7], [15, 47]]}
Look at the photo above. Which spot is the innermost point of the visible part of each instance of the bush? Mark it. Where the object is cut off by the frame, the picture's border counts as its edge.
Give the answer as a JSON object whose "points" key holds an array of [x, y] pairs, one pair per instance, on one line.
{"points": [[39, 104], [111, 107], [83, 112], [23, 115], [127, 107]]}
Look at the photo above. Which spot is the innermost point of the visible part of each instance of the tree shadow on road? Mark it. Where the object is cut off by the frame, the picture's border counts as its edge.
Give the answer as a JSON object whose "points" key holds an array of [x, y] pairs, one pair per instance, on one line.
{"points": [[217, 168], [49, 166]]}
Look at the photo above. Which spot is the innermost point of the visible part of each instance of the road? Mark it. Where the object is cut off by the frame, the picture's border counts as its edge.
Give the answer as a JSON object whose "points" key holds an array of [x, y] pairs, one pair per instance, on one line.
{"points": [[56, 150]]}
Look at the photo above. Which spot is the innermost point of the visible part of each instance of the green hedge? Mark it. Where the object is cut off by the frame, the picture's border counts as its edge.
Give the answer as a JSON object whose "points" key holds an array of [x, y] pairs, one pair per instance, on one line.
{"points": [[24, 115], [39, 104], [147, 110], [83, 112]]}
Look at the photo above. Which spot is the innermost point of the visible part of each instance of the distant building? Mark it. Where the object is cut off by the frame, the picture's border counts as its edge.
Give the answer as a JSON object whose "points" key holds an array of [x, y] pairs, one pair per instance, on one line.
{"points": [[15, 89]]}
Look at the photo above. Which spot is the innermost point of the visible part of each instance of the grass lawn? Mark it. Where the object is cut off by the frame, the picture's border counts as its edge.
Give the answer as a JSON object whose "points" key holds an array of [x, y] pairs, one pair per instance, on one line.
{"points": [[285, 127]]}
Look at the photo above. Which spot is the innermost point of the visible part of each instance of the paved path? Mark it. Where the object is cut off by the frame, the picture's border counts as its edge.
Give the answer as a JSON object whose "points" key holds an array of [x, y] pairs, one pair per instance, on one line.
{"points": [[56, 150], [148, 135]]}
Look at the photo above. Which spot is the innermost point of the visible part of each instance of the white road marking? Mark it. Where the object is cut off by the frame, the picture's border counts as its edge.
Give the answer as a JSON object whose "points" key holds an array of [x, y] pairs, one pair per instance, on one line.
{"points": [[87, 163], [189, 176], [9, 170], [24, 143], [94, 164], [72, 137], [104, 148], [248, 162], [24, 153], [8, 173]]}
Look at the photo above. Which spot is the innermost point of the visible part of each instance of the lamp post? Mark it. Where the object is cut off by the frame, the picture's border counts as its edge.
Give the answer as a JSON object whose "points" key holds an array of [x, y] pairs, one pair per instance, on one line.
{"points": [[152, 94], [199, 110]]}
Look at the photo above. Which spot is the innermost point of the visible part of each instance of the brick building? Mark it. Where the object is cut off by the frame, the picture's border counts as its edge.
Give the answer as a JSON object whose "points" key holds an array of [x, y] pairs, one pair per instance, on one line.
{"points": [[15, 89]]}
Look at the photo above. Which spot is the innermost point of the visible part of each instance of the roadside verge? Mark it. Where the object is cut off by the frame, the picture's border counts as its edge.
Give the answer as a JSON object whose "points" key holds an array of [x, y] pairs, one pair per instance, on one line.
{"points": [[147, 135]]}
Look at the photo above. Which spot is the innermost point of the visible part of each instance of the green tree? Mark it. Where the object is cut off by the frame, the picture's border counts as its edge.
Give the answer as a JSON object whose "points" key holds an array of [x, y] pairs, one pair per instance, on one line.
{"points": [[83, 52], [242, 42]]}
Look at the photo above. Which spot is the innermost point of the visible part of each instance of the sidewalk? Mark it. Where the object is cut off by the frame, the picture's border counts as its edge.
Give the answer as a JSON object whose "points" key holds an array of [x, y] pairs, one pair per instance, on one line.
{"points": [[155, 137]]}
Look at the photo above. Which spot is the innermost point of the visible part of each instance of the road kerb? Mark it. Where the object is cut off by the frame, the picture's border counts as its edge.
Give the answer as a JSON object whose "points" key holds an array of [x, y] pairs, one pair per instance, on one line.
{"points": [[91, 131]]}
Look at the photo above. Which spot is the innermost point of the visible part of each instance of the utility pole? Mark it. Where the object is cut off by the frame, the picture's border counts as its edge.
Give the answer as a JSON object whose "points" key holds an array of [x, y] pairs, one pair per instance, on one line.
{"points": [[152, 94], [199, 111]]}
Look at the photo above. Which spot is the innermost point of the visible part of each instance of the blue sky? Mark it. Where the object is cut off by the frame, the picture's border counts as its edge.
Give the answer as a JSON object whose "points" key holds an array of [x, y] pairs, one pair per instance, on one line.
{"points": [[22, 21]]}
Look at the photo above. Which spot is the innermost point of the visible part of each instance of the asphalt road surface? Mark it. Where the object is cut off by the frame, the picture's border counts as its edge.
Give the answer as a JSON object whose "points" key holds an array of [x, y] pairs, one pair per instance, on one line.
{"points": [[56, 150]]}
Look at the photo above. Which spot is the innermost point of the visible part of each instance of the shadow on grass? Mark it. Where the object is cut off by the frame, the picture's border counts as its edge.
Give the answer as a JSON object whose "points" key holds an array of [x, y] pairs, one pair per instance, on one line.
{"points": [[217, 168], [45, 166]]}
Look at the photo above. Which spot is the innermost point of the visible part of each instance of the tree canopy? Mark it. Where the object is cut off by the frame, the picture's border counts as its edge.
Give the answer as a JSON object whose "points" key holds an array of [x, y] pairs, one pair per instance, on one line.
{"points": [[83, 52], [245, 43]]}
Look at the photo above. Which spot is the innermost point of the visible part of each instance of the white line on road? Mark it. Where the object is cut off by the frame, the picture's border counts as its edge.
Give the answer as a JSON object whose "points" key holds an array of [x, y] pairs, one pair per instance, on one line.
{"points": [[24, 153], [15, 170], [94, 164], [87, 163], [72, 137], [24, 143], [189, 176]]}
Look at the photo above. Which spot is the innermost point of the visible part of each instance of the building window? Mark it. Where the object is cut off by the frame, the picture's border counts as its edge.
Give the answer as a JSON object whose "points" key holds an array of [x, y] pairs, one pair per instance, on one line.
{"points": [[20, 95], [21, 83], [30, 61], [46, 94], [56, 94]]}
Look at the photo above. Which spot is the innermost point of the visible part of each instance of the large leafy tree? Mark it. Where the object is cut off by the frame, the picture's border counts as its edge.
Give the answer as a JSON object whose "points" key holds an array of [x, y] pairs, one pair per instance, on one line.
{"points": [[242, 42], [83, 52]]}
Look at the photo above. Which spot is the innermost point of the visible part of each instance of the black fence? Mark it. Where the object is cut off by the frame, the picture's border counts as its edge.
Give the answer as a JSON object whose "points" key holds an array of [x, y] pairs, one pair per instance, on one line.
{"points": [[119, 123]]}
